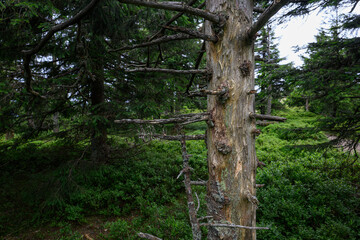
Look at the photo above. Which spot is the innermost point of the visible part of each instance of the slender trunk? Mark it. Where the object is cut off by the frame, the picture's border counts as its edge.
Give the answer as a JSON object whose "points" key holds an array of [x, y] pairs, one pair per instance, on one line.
{"points": [[231, 145], [306, 104], [9, 134], [269, 101], [56, 122], [99, 147]]}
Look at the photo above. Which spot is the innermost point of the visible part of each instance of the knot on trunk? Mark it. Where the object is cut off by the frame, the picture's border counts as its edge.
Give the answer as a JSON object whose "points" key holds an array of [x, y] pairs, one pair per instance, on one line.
{"points": [[223, 148], [245, 68], [253, 199]]}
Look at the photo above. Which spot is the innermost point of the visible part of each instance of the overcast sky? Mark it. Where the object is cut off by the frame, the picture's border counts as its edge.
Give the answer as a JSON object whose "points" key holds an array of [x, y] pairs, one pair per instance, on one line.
{"points": [[302, 30]]}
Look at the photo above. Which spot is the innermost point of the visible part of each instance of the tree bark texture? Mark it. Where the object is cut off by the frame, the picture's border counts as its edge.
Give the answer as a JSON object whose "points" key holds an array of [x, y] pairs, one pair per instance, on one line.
{"points": [[99, 147], [269, 101], [231, 144]]}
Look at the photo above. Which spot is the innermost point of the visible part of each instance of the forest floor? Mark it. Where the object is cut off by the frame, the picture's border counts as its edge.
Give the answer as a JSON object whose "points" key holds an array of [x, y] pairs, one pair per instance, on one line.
{"points": [[307, 189]]}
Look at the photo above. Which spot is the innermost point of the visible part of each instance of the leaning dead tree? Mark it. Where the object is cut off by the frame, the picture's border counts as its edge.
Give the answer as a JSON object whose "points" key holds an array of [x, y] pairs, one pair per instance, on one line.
{"points": [[229, 34]]}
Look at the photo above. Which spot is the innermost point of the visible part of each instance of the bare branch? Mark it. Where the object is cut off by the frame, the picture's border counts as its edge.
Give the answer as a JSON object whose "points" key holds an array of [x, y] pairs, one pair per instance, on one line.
{"points": [[354, 6], [162, 70], [195, 227], [148, 236], [265, 16], [259, 185], [177, 6], [163, 39], [174, 18], [175, 138], [202, 183], [193, 33], [266, 117], [182, 119], [232, 226]]}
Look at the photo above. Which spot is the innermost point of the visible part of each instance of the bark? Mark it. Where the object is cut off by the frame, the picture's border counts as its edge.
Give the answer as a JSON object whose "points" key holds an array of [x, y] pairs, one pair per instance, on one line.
{"points": [[56, 122], [269, 101], [99, 147], [306, 104], [231, 144]]}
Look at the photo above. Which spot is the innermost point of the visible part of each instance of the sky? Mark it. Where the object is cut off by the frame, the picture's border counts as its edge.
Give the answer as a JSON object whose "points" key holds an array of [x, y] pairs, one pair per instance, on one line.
{"points": [[302, 30]]}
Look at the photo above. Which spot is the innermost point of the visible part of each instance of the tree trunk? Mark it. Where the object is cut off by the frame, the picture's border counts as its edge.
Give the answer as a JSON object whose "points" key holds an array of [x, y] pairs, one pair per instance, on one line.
{"points": [[231, 144], [306, 104], [99, 147], [269, 101], [56, 122]]}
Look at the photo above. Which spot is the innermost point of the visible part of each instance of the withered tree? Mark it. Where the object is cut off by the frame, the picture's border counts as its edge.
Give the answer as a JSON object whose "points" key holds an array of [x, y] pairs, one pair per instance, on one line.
{"points": [[229, 33]]}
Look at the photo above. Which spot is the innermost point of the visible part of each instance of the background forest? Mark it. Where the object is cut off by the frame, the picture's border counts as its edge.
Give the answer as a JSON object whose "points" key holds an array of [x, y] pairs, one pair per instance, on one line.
{"points": [[68, 171]]}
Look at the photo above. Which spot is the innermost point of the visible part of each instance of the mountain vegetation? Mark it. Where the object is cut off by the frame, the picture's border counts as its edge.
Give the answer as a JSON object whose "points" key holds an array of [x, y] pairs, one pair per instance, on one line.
{"points": [[128, 119]]}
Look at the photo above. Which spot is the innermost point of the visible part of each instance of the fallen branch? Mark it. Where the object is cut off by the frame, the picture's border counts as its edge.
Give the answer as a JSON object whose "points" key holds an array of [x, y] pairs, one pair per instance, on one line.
{"points": [[266, 117], [148, 236]]}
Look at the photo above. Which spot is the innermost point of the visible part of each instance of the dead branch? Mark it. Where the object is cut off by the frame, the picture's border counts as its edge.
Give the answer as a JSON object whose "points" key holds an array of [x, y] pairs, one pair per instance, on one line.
{"points": [[193, 33], [202, 183], [148, 236], [232, 226], [266, 117], [265, 16], [163, 70], [259, 185], [174, 138], [174, 18], [195, 227], [177, 6], [182, 119], [164, 39]]}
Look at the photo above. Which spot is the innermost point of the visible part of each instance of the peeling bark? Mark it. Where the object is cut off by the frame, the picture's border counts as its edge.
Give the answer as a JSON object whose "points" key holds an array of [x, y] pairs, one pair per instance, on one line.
{"points": [[231, 144]]}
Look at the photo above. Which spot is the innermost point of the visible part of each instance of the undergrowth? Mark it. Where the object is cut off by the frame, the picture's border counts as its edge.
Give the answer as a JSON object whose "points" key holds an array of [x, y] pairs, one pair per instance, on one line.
{"points": [[311, 191]]}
